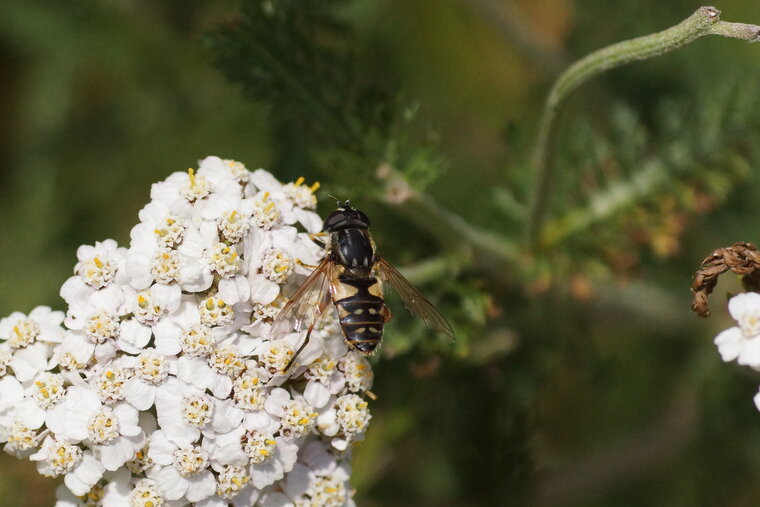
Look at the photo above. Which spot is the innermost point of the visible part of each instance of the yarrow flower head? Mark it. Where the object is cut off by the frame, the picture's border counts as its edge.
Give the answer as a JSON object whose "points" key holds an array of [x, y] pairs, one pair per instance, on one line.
{"points": [[741, 343], [161, 385]]}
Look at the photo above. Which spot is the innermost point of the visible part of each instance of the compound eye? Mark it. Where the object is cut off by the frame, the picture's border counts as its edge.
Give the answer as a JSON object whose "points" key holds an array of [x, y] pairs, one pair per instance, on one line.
{"points": [[334, 220]]}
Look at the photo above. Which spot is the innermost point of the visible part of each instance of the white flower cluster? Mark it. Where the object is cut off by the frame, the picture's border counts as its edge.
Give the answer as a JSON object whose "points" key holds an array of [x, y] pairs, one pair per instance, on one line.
{"points": [[161, 385], [742, 343]]}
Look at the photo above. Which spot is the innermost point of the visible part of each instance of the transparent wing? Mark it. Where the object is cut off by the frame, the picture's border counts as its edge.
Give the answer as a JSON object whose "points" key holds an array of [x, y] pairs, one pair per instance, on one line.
{"points": [[306, 305], [413, 299]]}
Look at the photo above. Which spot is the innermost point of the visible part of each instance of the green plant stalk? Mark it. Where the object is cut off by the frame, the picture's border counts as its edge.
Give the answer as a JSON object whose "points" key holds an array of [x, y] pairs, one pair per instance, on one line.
{"points": [[705, 21], [487, 248]]}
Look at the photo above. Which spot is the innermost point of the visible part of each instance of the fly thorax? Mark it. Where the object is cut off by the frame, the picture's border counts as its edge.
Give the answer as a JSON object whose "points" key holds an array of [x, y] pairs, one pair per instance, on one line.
{"points": [[354, 251]]}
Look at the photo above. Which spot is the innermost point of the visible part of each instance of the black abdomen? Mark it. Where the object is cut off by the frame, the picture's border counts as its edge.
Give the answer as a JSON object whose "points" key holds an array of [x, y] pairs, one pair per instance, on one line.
{"points": [[362, 316]]}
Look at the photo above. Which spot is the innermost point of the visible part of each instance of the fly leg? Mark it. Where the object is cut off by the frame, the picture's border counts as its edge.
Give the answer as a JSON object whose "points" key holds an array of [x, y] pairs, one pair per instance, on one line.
{"points": [[317, 238], [310, 266], [326, 300], [303, 345]]}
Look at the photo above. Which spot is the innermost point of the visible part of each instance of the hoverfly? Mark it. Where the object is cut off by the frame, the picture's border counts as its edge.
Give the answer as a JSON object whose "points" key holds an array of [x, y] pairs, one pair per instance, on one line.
{"points": [[351, 276]]}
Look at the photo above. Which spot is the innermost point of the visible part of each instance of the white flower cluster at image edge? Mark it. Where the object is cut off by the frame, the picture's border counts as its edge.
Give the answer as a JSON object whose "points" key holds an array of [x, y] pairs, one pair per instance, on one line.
{"points": [[741, 343], [160, 385]]}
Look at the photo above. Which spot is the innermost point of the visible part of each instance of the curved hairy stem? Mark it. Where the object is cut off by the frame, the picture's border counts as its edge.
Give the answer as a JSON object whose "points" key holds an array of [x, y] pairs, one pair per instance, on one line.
{"points": [[705, 21], [487, 248]]}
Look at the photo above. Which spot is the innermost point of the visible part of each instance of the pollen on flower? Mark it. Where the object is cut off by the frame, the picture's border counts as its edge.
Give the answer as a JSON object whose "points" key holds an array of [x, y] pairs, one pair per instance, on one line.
{"points": [[141, 462], [62, 456], [328, 492], [276, 357], [94, 497], [145, 494], [104, 426], [322, 369], [23, 333], [266, 313], [169, 232], [166, 265], [248, 393], [145, 311], [6, 356], [328, 324], [189, 461], [97, 271], [69, 362], [258, 446], [197, 410], [277, 265], [238, 171], [223, 260], [20, 439], [196, 188], [226, 360], [233, 226], [197, 341], [352, 414], [358, 372], [298, 419], [48, 390], [151, 367], [215, 312], [231, 481], [302, 195], [101, 326], [109, 383], [265, 212]]}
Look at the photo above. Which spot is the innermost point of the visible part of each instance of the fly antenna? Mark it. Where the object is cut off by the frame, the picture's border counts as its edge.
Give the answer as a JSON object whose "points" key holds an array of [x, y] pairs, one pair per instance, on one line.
{"points": [[336, 200]]}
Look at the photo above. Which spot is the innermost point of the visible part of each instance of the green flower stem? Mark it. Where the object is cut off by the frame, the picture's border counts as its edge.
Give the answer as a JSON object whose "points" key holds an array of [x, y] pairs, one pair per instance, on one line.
{"points": [[705, 21]]}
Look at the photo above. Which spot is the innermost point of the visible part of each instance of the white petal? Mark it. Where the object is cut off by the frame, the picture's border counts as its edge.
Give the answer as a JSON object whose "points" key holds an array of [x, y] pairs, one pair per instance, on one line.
{"points": [[195, 371], [134, 334], [118, 452], [246, 497], [139, 393], [234, 290], [201, 486], [286, 453], [167, 335], [317, 394], [275, 403], [161, 450], [11, 392], [263, 291], [318, 459], [138, 270], [106, 351], [750, 354], [171, 483], [221, 386], [730, 343], [128, 419], [297, 482], [30, 414], [195, 276], [28, 362], [85, 475], [275, 500], [310, 220], [166, 296], [74, 289], [226, 416]]}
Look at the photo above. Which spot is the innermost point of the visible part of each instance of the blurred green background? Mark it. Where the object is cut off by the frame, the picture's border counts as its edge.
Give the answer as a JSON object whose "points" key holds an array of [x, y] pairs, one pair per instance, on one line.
{"points": [[579, 377]]}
